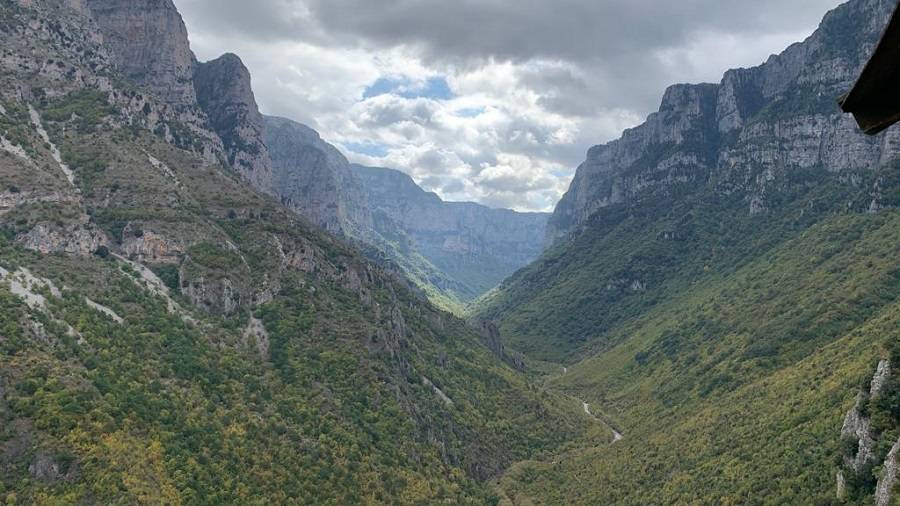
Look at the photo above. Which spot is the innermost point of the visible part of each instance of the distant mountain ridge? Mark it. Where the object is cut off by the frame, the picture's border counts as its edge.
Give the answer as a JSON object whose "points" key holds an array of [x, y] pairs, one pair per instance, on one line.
{"points": [[455, 251], [290, 161], [477, 247]]}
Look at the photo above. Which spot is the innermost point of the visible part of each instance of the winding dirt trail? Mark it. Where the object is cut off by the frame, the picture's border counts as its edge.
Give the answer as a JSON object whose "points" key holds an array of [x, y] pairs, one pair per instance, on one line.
{"points": [[617, 436]]}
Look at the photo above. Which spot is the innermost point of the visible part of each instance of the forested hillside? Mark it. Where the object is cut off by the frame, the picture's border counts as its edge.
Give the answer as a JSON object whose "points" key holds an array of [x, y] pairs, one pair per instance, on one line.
{"points": [[171, 335], [723, 281]]}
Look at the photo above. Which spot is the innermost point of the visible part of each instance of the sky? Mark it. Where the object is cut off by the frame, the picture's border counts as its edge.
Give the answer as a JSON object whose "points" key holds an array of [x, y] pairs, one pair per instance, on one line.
{"points": [[492, 101]]}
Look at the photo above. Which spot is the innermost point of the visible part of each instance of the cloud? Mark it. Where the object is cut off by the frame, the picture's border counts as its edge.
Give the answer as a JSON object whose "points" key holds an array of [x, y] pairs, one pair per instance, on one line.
{"points": [[488, 100]]}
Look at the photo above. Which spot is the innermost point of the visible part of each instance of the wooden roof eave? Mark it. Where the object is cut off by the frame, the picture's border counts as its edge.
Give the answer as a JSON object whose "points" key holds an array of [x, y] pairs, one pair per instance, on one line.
{"points": [[875, 98]]}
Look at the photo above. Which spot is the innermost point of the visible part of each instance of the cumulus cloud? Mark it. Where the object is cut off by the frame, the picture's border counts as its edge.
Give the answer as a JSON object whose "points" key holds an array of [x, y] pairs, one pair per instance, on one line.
{"points": [[488, 100]]}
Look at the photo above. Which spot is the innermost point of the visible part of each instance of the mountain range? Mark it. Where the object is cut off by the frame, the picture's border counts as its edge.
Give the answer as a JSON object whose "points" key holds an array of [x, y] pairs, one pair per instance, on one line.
{"points": [[720, 283], [175, 332], [202, 304], [454, 251]]}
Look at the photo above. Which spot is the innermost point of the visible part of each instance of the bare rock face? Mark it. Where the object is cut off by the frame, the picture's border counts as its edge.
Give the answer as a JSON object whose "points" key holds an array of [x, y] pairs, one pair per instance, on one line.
{"points": [[884, 490], [314, 179], [150, 45], [749, 135], [214, 295], [468, 242], [255, 335], [152, 247], [856, 427], [45, 468], [492, 339], [676, 146], [81, 240], [225, 94], [882, 374]]}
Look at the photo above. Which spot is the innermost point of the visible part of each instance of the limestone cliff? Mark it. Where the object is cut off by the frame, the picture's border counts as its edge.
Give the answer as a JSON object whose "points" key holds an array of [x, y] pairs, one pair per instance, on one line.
{"points": [[461, 250], [870, 438], [751, 135], [150, 45], [314, 179], [225, 94], [471, 243]]}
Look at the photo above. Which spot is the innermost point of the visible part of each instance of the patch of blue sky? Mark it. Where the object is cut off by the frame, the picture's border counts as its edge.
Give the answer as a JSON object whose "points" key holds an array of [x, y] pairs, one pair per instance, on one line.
{"points": [[562, 172], [471, 112], [373, 149], [435, 88]]}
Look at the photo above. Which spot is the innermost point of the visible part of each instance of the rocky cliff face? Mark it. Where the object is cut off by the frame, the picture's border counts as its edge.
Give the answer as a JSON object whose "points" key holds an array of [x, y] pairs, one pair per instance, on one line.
{"points": [[460, 239], [868, 440], [314, 179], [459, 249], [212, 102], [884, 491], [676, 146], [209, 108], [225, 94], [150, 45], [752, 135]]}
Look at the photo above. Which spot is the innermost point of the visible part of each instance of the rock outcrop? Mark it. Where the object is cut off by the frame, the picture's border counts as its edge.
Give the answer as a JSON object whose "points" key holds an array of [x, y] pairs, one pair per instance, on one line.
{"points": [[459, 249], [76, 239], [856, 428], [255, 335], [45, 469], [148, 246], [749, 135], [225, 94], [885, 487], [491, 338], [471, 244], [858, 432], [314, 179], [149, 43]]}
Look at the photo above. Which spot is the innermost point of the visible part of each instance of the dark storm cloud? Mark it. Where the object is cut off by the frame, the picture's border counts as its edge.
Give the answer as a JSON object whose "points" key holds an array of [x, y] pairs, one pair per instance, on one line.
{"points": [[261, 20], [611, 40], [572, 30]]}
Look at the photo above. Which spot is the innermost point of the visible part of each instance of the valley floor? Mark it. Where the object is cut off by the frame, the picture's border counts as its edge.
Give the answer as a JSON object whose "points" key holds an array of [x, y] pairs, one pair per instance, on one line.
{"points": [[507, 486], [736, 390]]}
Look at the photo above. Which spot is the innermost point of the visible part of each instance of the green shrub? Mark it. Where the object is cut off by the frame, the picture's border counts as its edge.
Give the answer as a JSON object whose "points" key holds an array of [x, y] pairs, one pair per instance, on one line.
{"points": [[213, 256], [88, 107]]}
